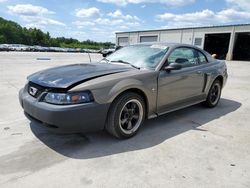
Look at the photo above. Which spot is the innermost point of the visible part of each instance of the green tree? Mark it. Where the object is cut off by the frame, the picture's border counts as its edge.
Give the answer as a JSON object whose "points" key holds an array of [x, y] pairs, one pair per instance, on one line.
{"points": [[13, 33]]}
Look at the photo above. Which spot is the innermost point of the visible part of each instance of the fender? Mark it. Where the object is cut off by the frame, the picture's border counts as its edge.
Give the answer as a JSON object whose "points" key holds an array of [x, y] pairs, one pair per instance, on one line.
{"points": [[124, 85]]}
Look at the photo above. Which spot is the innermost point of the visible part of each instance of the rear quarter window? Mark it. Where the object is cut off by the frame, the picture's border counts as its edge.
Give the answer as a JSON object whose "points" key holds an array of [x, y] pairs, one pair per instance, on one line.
{"points": [[202, 58]]}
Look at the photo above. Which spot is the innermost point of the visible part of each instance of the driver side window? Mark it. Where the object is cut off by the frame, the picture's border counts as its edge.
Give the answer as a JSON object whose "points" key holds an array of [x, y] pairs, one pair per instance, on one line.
{"points": [[185, 56]]}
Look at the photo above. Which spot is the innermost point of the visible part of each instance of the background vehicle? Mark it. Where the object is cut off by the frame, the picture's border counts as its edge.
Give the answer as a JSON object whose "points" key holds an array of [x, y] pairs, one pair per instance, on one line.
{"points": [[117, 94], [107, 52]]}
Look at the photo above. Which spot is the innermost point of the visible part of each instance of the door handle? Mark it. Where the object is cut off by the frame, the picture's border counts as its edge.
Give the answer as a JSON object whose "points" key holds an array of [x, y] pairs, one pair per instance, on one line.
{"points": [[199, 72]]}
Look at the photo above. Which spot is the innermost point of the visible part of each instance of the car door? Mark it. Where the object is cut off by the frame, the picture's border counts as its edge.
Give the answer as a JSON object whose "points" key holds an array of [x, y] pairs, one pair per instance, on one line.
{"points": [[179, 87]]}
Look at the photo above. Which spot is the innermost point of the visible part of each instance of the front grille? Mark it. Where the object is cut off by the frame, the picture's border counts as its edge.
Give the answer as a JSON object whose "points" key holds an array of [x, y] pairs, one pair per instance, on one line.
{"points": [[32, 86]]}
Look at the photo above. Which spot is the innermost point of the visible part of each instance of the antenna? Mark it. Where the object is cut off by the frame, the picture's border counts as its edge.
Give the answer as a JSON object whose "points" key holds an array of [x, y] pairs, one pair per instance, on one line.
{"points": [[89, 58]]}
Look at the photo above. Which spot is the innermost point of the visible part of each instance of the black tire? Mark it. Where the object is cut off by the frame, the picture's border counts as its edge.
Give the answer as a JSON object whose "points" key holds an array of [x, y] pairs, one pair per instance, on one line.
{"points": [[214, 95], [117, 124]]}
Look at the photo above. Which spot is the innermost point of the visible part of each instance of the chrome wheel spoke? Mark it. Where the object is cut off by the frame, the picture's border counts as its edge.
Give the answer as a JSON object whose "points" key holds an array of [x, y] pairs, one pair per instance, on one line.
{"points": [[125, 109], [124, 121], [133, 106], [129, 125], [136, 116]]}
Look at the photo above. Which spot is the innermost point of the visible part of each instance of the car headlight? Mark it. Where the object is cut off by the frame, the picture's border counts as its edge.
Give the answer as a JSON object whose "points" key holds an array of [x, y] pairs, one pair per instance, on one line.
{"points": [[68, 98]]}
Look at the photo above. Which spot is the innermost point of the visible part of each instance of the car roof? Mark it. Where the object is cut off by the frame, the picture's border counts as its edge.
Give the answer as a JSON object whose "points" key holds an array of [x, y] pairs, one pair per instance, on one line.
{"points": [[169, 44], [174, 45]]}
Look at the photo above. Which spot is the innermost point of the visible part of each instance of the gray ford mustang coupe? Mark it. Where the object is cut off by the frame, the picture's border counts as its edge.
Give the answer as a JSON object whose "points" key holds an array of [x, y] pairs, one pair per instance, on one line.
{"points": [[116, 94]]}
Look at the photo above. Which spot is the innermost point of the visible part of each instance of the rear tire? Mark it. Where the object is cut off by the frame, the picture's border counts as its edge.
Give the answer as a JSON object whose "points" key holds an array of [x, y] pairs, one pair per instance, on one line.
{"points": [[126, 115], [214, 95]]}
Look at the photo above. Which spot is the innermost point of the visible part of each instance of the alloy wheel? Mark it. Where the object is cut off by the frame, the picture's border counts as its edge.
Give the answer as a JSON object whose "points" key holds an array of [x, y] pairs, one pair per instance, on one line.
{"points": [[215, 93], [131, 116]]}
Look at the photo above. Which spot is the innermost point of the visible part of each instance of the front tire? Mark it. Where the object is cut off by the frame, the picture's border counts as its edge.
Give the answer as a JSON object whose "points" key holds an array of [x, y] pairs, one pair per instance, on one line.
{"points": [[126, 115], [214, 95]]}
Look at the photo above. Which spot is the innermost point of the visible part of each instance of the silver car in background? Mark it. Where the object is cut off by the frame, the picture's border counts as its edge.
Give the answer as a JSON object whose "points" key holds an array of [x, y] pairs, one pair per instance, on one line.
{"points": [[134, 83]]}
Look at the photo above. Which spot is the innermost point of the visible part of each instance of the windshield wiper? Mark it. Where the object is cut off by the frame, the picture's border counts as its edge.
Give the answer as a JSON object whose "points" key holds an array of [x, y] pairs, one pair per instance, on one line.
{"points": [[125, 62]]}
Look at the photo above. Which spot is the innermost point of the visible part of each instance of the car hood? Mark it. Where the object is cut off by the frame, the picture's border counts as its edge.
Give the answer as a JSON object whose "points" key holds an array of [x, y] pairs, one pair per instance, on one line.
{"points": [[66, 76]]}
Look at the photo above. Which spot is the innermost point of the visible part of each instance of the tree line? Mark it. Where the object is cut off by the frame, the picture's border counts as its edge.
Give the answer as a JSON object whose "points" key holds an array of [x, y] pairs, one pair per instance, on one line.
{"points": [[13, 33]]}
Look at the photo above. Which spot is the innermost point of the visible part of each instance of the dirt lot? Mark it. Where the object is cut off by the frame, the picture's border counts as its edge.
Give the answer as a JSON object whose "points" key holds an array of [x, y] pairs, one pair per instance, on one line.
{"points": [[193, 147]]}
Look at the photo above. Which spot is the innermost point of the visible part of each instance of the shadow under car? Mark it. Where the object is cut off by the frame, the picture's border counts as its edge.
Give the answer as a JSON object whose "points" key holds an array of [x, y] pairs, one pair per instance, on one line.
{"points": [[152, 133]]}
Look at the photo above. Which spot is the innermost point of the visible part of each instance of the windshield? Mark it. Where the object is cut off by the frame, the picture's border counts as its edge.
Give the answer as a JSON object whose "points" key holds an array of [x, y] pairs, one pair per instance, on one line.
{"points": [[143, 56]]}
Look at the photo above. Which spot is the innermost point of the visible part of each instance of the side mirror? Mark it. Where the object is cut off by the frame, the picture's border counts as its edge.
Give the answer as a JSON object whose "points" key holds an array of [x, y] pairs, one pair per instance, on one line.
{"points": [[173, 66]]}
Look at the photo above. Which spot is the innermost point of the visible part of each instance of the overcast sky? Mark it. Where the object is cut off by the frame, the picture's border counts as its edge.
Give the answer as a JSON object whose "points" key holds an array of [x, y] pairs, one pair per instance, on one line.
{"points": [[100, 19]]}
